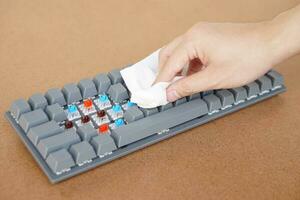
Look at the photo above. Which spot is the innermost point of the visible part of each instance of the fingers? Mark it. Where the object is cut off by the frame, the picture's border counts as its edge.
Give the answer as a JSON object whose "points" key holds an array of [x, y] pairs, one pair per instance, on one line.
{"points": [[201, 81], [168, 50], [174, 64]]}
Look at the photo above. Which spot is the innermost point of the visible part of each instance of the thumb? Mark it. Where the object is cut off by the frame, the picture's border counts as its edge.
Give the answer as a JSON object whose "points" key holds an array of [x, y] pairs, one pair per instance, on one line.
{"points": [[201, 81]]}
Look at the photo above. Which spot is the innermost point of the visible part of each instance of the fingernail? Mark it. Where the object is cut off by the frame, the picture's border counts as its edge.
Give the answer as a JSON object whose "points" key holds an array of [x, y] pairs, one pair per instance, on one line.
{"points": [[172, 96]]}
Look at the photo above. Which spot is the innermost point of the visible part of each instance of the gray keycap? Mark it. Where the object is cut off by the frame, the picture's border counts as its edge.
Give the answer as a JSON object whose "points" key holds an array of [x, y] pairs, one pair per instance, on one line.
{"points": [[102, 83], [180, 101], [33, 118], [87, 88], [60, 161], [115, 76], [82, 152], [103, 144], [56, 112], [213, 102], [19, 107], [264, 83], [193, 96], [252, 89], [86, 132], [149, 111], [71, 93], [118, 93], [62, 140], [37, 101], [239, 93], [165, 107], [133, 114], [161, 121], [226, 97], [42, 131], [204, 93], [55, 95], [276, 78]]}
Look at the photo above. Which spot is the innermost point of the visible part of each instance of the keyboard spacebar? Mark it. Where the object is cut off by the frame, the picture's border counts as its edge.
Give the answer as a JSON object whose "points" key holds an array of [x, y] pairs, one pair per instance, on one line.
{"points": [[158, 122]]}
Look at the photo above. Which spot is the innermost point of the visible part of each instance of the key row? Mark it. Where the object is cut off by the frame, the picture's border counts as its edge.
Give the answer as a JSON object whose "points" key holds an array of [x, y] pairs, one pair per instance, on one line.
{"points": [[111, 83], [83, 145], [225, 99], [80, 153], [178, 113], [72, 116]]}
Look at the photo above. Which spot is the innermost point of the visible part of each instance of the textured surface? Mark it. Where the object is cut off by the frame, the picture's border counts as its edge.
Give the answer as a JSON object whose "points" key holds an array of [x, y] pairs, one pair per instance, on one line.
{"points": [[235, 157]]}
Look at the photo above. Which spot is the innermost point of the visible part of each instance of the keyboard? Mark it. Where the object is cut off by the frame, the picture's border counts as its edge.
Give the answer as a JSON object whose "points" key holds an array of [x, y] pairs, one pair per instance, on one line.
{"points": [[81, 126]]}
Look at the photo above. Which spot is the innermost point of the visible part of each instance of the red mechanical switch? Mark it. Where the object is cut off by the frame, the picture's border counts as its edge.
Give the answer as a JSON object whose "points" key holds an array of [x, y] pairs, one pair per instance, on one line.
{"points": [[103, 128], [87, 103]]}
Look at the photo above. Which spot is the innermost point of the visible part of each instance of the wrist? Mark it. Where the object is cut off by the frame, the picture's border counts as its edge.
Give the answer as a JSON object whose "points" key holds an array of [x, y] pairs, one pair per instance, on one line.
{"points": [[281, 36]]}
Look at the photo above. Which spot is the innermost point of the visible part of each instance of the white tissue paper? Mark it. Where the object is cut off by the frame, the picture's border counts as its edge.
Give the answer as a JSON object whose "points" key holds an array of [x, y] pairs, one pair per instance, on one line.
{"points": [[139, 79]]}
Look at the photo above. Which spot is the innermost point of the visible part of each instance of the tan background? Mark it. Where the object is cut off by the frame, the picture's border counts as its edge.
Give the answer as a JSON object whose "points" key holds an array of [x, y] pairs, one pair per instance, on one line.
{"points": [[252, 154]]}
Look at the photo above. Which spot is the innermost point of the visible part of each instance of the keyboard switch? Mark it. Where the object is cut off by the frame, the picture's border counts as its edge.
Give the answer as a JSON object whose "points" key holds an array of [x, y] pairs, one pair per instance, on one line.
{"points": [[60, 161], [33, 118], [82, 153], [72, 112], [84, 120], [116, 112], [100, 118], [87, 107], [102, 102], [133, 114], [118, 93], [104, 144], [128, 105], [19, 107], [117, 123]]}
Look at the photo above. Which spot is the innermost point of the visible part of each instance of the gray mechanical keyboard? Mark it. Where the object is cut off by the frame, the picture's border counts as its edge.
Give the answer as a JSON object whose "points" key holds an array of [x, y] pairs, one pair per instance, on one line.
{"points": [[81, 126]]}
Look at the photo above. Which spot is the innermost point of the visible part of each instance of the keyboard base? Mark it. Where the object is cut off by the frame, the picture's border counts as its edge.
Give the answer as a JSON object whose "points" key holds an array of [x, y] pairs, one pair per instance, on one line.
{"points": [[54, 178]]}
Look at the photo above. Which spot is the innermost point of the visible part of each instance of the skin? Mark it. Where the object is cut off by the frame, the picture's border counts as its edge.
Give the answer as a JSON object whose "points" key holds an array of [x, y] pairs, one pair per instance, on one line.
{"points": [[227, 55]]}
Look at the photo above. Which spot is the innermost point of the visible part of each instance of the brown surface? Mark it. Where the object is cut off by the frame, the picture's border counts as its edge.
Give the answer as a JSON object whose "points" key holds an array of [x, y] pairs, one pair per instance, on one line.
{"points": [[252, 154]]}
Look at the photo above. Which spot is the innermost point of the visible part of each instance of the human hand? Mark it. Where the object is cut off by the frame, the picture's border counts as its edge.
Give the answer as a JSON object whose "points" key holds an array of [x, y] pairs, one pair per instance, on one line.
{"points": [[219, 55]]}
